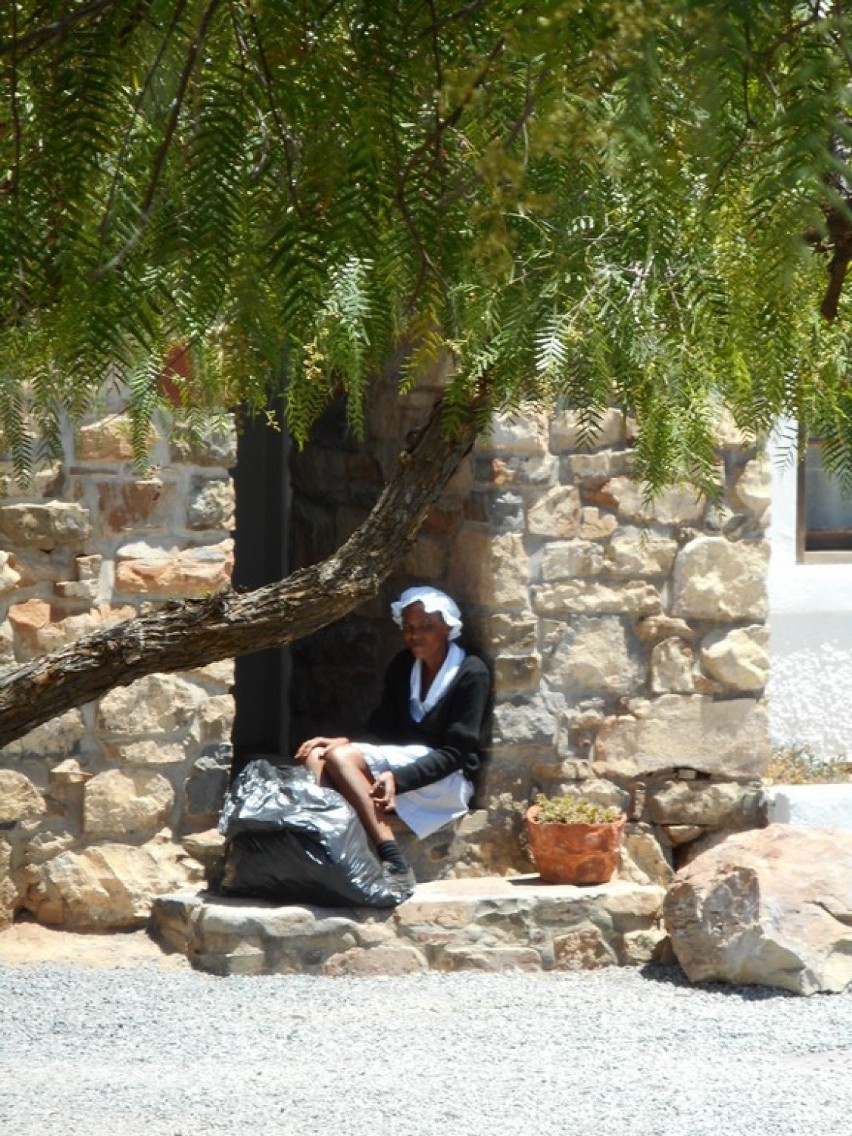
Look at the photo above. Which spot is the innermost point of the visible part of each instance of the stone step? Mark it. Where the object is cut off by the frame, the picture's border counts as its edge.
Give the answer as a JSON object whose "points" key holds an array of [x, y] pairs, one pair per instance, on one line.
{"points": [[492, 923]]}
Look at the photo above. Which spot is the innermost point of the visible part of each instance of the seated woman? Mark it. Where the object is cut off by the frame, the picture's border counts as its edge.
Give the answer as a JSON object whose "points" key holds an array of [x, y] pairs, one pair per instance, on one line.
{"points": [[423, 752]]}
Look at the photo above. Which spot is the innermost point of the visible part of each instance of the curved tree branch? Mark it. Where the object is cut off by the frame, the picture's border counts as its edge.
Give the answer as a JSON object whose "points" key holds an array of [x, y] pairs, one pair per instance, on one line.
{"points": [[194, 633]]}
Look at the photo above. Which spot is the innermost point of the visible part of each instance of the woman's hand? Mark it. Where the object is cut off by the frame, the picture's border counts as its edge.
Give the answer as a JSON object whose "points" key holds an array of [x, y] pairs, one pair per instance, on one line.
{"points": [[383, 791], [321, 745]]}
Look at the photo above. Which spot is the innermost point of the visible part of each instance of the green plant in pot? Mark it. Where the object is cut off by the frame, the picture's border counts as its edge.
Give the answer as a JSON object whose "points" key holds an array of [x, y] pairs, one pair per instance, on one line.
{"points": [[573, 840]]}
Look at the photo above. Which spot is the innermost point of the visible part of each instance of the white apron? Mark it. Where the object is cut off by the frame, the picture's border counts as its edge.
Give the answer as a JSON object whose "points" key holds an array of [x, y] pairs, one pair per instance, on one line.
{"points": [[430, 808]]}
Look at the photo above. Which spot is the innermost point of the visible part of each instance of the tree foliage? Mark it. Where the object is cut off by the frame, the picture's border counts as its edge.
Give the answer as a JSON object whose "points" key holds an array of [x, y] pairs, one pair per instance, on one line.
{"points": [[643, 202]]}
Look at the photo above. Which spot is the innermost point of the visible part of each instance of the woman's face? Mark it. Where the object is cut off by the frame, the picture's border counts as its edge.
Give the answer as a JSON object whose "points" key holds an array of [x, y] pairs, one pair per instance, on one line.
{"points": [[425, 634]]}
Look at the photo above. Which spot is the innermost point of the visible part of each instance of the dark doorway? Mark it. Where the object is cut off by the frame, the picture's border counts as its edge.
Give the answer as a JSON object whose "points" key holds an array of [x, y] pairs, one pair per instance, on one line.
{"points": [[261, 484]]}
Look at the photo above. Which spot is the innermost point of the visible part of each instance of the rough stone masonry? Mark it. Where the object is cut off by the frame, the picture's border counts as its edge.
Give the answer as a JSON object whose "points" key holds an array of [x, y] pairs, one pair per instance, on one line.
{"points": [[627, 642], [97, 806]]}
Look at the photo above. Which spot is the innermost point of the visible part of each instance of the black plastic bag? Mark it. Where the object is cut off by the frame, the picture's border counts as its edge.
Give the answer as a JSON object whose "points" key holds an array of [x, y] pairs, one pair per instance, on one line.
{"points": [[291, 841]]}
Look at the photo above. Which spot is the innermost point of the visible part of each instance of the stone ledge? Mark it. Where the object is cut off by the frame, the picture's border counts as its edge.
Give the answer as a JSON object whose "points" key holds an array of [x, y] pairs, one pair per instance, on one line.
{"points": [[484, 923]]}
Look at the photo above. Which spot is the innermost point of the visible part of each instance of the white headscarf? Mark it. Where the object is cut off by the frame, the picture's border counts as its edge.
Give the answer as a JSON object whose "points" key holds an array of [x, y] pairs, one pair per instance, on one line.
{"points": [[432, 600]]}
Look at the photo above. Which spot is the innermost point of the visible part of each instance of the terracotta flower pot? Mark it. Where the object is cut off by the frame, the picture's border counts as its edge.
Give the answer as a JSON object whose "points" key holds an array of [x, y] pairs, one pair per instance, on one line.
{"points": [[574, 853]]}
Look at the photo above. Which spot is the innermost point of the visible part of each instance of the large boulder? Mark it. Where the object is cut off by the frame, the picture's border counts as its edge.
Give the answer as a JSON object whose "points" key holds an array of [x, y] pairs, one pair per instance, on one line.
{"points": [[109, 887], [771, 907]]}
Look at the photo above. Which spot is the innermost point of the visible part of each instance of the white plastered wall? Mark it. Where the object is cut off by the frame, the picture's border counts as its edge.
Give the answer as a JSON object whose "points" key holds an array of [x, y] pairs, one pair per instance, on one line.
{"points": [[810, 630]]}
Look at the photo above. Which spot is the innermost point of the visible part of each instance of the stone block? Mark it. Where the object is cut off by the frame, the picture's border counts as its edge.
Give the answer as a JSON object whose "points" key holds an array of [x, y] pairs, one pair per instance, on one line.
{"points": [[146, 751], [565, 560], [76, 590], [595, 525], [29, 617], [516, 672], [728, 434], [720, 580], [643, 946], [110, 886], [46, 482], [208, 849], [88, 567], [206, 786], [218, 448], [19, 798], [679, 505], [66, 781], [717, 737], [38, 630], [639, 554], [211, 504], [556, 514], [446, 913], [386, 959], [127, 505], [672, 663], [45, 846], [596, 655], [219, 674], [655, 627], [489, 570], [599, 467], [534, 471], [9, 577], [173, 918], [247, 959], [583, 948], [596, 599], [628, 904], [45, 527], [526, 723], [185, 573], [216, 718], [752, 490], [679, 834], [643, 860], [494, 960], [157, 704], [517, 433], [567, 431], [738, 658], [503, 511], [107, 441], [56, 738], [133, 804], [511, 631], [711, 805]]}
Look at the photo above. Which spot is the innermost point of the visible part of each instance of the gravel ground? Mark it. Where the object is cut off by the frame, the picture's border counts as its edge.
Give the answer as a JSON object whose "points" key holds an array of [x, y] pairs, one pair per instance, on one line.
{"points": [[144, 1050]]}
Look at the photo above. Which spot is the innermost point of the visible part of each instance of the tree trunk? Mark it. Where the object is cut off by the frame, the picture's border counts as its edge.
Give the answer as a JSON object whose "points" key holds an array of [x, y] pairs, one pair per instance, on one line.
{"points": [[192, 633]]}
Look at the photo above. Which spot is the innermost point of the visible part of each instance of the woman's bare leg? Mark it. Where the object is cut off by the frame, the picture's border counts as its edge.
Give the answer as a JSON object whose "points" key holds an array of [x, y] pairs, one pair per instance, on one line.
{"points": [[345, 768]]}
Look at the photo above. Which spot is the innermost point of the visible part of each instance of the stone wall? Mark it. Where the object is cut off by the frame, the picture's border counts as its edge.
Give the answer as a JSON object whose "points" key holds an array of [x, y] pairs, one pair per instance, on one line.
{"points": [[627, 644], [93, 804], [627, 641], [628, 638]]}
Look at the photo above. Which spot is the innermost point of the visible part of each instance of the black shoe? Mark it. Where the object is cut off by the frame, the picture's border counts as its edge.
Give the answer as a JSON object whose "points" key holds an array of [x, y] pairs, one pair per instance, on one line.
{"points": [[401, 881]]}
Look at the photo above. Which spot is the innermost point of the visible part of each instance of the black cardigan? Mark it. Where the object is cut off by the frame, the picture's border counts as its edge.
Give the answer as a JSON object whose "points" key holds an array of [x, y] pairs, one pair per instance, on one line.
{"points": [[451, 728]]}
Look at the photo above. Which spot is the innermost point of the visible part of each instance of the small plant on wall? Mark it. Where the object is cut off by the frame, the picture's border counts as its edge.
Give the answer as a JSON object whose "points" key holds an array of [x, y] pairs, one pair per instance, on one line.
{"points": [[573, 810], [799, 765]]}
